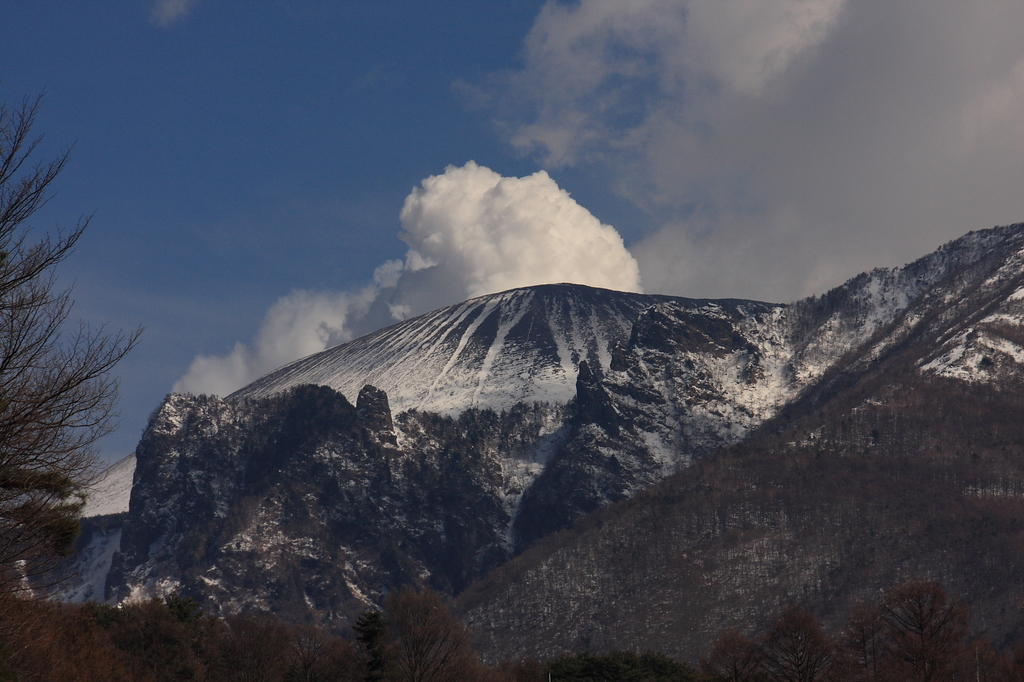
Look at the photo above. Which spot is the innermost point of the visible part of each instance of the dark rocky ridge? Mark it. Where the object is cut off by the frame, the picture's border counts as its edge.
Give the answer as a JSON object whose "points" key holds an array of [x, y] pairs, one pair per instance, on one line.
{"points": [[303, 505]]}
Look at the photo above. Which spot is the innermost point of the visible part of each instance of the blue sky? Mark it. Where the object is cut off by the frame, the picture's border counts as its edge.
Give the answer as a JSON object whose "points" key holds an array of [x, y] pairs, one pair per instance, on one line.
{"points": [[234, 154]]}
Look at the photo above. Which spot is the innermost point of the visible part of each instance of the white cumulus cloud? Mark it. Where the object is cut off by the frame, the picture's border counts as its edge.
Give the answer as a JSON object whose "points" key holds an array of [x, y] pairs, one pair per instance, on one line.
{"points": [[470, 232], [489, 233]]}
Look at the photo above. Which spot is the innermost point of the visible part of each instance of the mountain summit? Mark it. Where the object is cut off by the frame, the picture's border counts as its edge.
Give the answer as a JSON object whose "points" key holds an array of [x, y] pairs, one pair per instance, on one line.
{"points": [[495, 351]]}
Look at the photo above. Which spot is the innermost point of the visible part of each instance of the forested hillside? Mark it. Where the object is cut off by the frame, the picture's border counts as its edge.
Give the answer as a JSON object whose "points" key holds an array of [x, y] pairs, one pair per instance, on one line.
{"points": [[901, 476]]}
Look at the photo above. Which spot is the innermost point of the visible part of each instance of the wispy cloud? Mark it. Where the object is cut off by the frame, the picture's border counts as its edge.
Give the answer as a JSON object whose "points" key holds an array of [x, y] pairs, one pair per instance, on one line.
{"points": [[600, 72], [297, 325], [782, 145], [167, 13]]}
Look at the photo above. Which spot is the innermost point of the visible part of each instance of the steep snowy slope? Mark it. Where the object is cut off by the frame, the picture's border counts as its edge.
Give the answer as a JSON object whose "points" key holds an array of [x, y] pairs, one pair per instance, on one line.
{"points": [[986, 345], [522, 345], [110, 493], [694, 378]]}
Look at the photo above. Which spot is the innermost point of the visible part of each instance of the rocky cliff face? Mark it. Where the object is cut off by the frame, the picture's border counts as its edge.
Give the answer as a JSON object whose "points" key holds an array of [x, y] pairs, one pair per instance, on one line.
{"points": [[304, 504], [695, 377], [483, 427]]}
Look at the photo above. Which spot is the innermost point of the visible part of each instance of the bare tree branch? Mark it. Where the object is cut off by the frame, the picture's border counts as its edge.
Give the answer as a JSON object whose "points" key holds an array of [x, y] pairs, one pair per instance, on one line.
{"points": [[57, 397]]}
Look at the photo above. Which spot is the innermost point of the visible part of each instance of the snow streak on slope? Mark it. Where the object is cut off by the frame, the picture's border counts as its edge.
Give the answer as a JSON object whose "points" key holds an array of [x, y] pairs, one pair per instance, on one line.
{"points": [[522, 345], [88, 577], [988, 346]]}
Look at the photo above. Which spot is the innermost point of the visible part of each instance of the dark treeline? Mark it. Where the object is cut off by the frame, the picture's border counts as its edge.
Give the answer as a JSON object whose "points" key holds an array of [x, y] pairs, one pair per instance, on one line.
{"points": [[161, 640], [916, 633], [415, 638]]}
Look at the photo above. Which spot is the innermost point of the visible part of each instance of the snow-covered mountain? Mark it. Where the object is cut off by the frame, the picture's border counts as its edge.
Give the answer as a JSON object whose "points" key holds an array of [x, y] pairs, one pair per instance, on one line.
{"points": [[479, 428], [500, 375], [523, 345]]}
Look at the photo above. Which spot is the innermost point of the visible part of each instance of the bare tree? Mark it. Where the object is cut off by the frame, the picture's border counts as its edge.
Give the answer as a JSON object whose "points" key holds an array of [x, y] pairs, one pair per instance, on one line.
{"points": [[925, 632], [795, 649], [318, 657], [309, 654], [863, 645], [733, 658], [256, 650], [428, 643], [56, 392]]}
